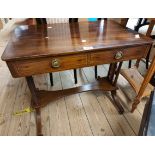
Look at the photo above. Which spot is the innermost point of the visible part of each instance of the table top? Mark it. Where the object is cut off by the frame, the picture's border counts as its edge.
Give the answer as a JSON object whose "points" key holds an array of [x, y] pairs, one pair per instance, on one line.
{"points": [[69, 38]]}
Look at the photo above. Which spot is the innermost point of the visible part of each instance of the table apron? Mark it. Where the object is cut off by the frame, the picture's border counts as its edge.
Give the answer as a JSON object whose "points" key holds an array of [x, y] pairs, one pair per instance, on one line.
{"points": [[34, 66]]}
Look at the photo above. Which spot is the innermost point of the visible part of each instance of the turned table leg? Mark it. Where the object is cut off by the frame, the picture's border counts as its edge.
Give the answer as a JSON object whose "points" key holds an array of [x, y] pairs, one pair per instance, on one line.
{"points": [[112, 70], [38, 122], [113, 74], [35, 103]]}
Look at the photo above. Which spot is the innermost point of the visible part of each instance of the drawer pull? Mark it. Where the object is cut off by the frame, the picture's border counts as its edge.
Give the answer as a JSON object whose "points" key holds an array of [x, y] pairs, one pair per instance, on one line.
{"points": [[119, 55], [55, 63]]}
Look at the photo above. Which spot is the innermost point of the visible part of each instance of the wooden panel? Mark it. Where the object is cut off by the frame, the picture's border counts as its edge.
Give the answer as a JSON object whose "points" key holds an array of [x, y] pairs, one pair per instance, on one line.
{"points": [[109, 56], [44, 65]]}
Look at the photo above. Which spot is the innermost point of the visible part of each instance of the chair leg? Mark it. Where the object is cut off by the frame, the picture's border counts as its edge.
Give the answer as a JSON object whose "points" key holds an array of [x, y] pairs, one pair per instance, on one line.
{"points": [[95, 72], [75, 76], [147, 58], [51, 78], [137, 63], [130, 63]]}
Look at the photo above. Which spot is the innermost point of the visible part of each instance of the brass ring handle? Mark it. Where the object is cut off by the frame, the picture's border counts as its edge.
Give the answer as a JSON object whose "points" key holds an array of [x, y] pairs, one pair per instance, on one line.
{"points": [[119, 55], [55, 63]]}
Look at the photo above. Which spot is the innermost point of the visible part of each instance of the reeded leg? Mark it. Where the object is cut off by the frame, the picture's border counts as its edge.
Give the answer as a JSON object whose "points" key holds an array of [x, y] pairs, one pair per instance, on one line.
{"points": [[35, 103], [38, 122], [117, 71], [137, 63], [111, 72], [113, 77], [75, 76]]}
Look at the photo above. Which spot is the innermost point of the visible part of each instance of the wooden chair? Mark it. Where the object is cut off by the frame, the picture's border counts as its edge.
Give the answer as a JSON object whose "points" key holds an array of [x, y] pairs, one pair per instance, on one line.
{"points": [[57, 20], [149, 30], [142, 27], [134, 23], [140, 85]]}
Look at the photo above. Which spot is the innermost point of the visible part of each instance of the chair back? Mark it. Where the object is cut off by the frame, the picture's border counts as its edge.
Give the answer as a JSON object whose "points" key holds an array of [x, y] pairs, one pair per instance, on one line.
{"points": [[150, 28], [57, 20]]}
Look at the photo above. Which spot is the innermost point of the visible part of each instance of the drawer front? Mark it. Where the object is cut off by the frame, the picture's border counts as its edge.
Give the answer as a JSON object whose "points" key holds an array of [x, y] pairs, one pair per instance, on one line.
{"points": [[46, 65], [103, 57]]}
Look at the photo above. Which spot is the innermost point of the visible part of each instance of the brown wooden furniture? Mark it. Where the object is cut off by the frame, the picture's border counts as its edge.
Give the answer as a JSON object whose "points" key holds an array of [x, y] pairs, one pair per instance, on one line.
{"points": [[140, 22], [140, 85], [145, 26], [148, 29], [35, 50], [144, 86]]}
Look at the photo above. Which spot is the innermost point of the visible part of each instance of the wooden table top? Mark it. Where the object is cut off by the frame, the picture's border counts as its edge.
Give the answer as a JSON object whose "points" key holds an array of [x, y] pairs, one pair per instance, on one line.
{"points": [[69, 38]]}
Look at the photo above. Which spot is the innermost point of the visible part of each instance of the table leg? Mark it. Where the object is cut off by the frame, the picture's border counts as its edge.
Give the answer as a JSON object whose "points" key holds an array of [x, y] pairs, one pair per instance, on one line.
{"points": [[38, 122], [35, 103], [112, 70], [113, 77]]}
